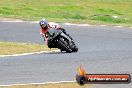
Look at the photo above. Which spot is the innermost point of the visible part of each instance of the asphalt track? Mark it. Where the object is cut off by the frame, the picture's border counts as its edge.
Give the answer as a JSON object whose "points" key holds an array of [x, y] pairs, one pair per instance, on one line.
{"points": [[102, 49]]}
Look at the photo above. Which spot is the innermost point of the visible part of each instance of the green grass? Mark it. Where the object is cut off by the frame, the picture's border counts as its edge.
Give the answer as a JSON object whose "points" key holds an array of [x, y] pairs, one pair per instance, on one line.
{"points": [[57, 85], [74, 11], [9, 48]]}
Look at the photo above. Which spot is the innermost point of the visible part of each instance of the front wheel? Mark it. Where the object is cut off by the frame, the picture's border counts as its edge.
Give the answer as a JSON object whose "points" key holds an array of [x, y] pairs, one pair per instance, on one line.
{"points": [[62, 47], [75, 49]]}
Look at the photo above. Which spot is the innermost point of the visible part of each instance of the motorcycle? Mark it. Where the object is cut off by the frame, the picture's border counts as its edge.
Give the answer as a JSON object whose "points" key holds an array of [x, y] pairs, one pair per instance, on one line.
{"points": [[57, 39]]}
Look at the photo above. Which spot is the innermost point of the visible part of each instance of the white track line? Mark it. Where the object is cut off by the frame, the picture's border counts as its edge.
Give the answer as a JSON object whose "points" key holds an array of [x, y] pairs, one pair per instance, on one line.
{"points": [[23, 54], [119, 26], [78, 24], [130, 27], [36, 22], [40, 83]]}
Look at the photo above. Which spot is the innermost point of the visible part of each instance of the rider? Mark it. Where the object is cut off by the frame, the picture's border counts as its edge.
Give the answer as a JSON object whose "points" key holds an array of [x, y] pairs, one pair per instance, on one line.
{"points": [[45, 26]]}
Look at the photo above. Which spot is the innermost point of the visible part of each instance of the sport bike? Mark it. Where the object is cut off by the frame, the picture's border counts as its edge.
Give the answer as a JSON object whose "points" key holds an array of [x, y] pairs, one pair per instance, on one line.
{"points": [[57, 39]]}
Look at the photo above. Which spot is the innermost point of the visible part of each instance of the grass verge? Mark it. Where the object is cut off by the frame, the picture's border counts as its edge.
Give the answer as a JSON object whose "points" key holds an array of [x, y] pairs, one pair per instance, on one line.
{"points": [[9, 48], [111, 12], [57, 85]]}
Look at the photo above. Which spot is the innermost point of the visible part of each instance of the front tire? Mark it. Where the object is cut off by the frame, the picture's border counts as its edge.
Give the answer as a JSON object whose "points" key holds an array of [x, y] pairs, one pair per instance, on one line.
{"points": [[75, 49], [62, 47]]}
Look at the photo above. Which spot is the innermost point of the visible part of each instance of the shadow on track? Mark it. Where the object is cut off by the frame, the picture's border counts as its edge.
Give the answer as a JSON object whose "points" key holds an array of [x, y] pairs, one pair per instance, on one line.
{"points": [[59, 53]]}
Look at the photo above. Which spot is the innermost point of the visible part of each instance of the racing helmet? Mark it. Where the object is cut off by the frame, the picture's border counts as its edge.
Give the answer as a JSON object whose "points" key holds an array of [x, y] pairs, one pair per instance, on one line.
{"points": [[43, 22]]}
